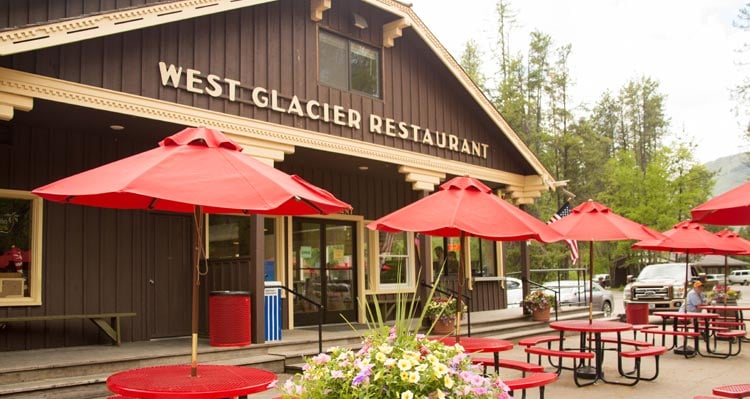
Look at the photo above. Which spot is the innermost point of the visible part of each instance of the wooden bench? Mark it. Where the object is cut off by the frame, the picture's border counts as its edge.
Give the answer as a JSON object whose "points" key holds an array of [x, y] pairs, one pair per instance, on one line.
{"points": [[107, 322], [524, 367], [532, 381], [637, 355]]}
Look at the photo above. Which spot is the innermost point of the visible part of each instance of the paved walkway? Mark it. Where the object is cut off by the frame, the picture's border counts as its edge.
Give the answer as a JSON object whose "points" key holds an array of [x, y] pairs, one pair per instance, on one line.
{"points": [[679, 378]]}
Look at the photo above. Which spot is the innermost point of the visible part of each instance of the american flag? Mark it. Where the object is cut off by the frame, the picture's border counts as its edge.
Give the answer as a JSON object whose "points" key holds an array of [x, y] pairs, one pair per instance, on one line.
{"points": [[573, 244]]}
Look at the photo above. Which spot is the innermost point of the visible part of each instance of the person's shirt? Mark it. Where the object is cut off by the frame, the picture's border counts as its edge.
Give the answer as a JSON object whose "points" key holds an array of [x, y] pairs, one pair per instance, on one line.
{"points": [[693, 300]]}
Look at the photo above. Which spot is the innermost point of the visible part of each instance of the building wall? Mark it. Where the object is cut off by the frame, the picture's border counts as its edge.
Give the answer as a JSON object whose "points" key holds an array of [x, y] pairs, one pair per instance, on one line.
{"points": [[274, 46]]}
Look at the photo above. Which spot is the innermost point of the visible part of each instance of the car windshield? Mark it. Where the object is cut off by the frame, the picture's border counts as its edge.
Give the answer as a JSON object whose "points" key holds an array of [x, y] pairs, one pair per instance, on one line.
{"points": [[662, 271]]}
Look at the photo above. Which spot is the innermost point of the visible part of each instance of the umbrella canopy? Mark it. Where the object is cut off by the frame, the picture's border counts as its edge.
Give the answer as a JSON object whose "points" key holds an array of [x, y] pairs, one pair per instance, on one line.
{"points": [[592, 221], [690, 238], [464, 205], [197, 170], [737, 240], [729, 209], [197, 166]]}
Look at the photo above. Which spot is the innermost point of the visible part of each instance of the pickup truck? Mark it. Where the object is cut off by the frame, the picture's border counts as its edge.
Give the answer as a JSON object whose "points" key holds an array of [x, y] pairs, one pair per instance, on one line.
{"points": [[661, 286]]}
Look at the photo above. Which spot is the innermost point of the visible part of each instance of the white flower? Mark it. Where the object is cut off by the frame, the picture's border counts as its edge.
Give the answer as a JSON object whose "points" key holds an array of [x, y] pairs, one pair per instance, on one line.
{"points": [[407, 395]]}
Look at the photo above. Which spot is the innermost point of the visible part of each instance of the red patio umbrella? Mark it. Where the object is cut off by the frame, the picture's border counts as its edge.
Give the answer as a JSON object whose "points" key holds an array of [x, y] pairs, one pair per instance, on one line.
{"points": [[463, 207], [729, 209], [736, 239], [592, 221], [690, 238], [197, 170]]}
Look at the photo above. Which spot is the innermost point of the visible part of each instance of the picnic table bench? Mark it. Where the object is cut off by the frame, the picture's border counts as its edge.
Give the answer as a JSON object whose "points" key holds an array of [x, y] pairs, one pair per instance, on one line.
{"points": [[109, 323]]}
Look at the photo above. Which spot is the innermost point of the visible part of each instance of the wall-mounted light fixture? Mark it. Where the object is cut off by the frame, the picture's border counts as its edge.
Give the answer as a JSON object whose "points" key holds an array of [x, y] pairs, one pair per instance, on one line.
{"points": [[359, 21]]}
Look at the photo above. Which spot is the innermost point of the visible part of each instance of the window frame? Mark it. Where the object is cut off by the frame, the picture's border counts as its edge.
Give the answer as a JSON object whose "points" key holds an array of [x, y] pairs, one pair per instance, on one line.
{"points": [[376, 287], [349, 41], [35, 265]]}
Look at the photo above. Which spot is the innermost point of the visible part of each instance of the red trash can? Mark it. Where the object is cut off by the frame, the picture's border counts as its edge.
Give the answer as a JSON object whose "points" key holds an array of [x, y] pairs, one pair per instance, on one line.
{"points": [[636, 313], [229, 318]]}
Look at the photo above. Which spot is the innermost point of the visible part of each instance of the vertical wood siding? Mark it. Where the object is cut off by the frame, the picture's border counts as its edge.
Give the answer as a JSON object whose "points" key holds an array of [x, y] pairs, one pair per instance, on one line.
{"points": [[275, 46]]}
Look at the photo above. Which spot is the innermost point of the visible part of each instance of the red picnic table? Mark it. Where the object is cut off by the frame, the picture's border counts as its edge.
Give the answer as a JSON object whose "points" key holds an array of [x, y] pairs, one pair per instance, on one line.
{"points": [[480, 344], [733, 391], [175, 381]]}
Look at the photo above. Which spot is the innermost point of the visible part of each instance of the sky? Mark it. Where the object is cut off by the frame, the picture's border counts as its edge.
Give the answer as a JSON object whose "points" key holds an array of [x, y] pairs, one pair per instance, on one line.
{"points": [[689, 46]]}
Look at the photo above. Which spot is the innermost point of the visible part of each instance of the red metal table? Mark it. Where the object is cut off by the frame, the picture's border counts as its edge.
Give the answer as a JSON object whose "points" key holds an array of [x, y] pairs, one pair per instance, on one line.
{"points": [[595, 327], [480, 344], [687, 317], [733, 391], [174, 381]]}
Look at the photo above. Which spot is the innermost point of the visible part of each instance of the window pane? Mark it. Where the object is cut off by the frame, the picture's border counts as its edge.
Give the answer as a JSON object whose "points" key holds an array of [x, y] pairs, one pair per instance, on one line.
{"points": [[482, 257], [364, 69], [269, 249], [229, 236], [15, 244], [394, 258], [333, 61]]}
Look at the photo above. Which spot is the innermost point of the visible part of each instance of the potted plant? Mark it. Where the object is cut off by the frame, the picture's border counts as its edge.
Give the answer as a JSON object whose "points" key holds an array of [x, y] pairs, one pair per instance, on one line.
{"points": [[720, 293], [539, 304], [442, 311]]}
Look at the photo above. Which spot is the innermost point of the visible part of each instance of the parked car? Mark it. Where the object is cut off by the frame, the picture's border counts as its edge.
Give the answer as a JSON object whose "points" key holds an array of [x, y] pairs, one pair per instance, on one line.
{"points": [[575, 293], [739, 277], [514, 289]]}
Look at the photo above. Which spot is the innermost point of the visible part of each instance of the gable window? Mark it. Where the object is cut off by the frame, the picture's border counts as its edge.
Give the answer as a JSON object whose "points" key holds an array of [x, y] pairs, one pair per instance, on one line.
{"points": [[348, 65]]}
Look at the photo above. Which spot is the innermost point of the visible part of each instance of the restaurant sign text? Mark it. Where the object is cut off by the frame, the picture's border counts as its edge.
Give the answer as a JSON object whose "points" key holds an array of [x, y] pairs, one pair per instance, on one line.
{"points": [[215, 86]]}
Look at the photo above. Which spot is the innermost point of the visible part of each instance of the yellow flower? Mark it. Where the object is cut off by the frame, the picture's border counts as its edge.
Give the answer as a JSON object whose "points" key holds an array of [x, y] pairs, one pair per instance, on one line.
{"points": [[439, 369], [413, 378], [381, 357], [404, 364], [448, 382]]}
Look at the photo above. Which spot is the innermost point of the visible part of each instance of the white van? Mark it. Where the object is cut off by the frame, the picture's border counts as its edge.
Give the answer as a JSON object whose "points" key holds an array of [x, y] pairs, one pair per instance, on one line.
{"points": [[739, 277]]}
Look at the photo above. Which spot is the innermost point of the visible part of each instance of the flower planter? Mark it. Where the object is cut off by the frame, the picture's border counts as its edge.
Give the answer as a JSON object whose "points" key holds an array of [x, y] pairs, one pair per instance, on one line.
{"points": [[540, 315], [444, 327]]}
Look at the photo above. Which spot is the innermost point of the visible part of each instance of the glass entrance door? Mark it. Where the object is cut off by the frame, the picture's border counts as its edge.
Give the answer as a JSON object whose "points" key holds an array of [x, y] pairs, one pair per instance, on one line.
{"points": [[323, 270]]}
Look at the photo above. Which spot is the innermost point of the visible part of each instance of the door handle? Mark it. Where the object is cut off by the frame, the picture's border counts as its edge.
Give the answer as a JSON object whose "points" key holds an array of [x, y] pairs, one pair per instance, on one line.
{"points": [[151, 281]]}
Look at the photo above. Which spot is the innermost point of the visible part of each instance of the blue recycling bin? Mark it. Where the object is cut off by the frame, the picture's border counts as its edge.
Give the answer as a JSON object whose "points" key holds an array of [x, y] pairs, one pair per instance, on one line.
{"points": [[272, 307]]}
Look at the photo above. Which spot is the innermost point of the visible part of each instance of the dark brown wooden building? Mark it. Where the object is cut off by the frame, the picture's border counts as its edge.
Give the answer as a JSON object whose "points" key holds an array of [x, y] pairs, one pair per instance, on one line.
{"points": [[356, 96]]}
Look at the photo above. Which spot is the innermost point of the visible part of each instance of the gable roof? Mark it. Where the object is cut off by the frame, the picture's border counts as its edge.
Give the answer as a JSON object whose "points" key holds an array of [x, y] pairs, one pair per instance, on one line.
{"points": [[59, 32]]}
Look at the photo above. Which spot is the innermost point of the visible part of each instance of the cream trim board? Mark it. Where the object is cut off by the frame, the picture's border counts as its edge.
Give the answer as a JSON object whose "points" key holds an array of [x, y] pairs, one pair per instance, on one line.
{"points": [[46, 35], [36, 86], [35, 283], [68, 31]]}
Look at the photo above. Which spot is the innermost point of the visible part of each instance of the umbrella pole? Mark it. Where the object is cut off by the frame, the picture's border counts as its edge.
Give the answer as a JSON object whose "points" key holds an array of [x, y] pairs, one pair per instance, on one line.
{"points": [[198, 222], [461, 266], [591, 281], [726, 273], [687, 283]]}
